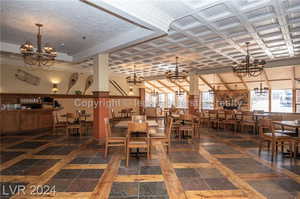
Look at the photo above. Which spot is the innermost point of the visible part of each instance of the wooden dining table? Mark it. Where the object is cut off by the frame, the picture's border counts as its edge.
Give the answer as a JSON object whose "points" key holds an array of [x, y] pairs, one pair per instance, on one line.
{"points": [[124, 124], [292, 124]]}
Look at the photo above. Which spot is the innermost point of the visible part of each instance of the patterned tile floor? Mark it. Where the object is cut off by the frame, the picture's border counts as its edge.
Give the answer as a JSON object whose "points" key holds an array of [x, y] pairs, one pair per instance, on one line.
{"points": [[218, 165]]}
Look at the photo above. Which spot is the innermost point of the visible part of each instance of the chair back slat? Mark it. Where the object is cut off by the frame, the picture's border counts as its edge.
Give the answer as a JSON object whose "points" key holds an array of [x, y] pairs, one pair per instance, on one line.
{"points": [[137, 127], [107, 127], [139, 118]]}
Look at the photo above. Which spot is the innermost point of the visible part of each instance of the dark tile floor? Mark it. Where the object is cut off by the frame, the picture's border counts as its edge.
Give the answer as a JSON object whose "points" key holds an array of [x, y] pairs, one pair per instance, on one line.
{"points": [[193, 170]]}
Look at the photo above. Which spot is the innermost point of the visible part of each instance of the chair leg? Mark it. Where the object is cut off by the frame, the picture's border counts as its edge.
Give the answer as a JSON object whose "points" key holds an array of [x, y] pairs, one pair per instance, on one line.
{"points": [[260, 146], [127, 157], [273, 149], [106, 149], [291, 150]]}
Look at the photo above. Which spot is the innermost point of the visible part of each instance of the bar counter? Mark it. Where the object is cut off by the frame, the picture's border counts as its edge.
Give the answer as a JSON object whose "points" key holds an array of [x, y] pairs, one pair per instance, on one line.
{"points": [[25, 120]]}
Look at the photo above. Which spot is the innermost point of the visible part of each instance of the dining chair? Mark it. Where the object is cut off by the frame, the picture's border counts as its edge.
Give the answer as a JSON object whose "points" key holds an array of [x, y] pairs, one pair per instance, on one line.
{"points": [[221, 118], [164, 137], [110, 140], [204, 119], [137, 142], [229, 120], [213, 118], [186, 129], [58, 124], [296, 145], [139, 118], [274, 139], [73, 123], [248, 121]]}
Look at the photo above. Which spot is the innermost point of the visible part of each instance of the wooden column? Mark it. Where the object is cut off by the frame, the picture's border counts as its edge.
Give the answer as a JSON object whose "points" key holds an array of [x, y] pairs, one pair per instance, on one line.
{"points": [[142, 101], [193, 99], [101, 111], [101, 94]]}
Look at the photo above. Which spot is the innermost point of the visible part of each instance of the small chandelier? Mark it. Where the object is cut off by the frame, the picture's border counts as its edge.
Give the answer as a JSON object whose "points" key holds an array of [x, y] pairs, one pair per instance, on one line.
{"points": [[261, 91], [135, 80], [179, 92], [41, 56], [176, 75], [248, 67], [154, 93]]}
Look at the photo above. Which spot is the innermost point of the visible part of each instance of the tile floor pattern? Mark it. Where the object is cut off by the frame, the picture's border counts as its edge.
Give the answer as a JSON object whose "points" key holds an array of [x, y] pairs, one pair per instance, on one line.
{"points": [[218, 165]]}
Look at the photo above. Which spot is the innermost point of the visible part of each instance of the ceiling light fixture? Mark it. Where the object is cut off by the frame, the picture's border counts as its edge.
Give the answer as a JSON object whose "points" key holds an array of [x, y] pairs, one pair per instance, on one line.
{"points": [[176, 75], [248, 67], [179, 92], [261, 91], [41, 56], [135, 80]]}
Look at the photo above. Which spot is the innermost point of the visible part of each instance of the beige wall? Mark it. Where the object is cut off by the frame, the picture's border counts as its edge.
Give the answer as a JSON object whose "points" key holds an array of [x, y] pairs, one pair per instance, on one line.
{"points": [[9, 83]]}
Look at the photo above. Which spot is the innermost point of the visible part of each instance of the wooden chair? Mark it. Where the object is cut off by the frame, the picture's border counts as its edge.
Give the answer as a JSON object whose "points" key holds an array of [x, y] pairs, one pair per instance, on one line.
{"points": [[110, 140], [57, 124], [274, 139], [296, 145], [72, 124], [213, 118], [165, 137], [187, 127], [221, 118], [230, 120], [139, 118], [204, 119], [142, 141], [248, 121]]}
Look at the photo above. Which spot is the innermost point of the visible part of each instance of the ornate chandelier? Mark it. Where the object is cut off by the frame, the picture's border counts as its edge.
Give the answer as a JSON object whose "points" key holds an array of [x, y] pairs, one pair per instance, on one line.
{"points": [[179, 92], [42, 56], [154, 93], [176, 75], [249, 67], [135, 80], [261, 91]]}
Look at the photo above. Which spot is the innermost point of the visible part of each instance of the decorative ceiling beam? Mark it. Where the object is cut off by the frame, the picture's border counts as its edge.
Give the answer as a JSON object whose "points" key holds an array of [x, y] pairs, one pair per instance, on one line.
{"points": [[241, 79], [166, 86], [223, 82], [154, 86], [267, 79], [180, 87], [205, 82]]}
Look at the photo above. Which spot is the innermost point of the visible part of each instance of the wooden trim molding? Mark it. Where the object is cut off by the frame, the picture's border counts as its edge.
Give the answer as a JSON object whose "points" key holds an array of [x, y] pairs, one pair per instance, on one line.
{"points": [[30, 95]]}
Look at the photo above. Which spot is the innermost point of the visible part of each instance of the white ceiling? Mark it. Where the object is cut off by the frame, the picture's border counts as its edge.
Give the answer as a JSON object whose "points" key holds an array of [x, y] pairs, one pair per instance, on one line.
{"points": [[65, 23], [212, 34]]}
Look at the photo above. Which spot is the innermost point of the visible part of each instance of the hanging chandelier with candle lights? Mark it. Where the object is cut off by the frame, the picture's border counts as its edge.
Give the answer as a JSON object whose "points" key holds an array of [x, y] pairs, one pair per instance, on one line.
{"points": [[42, 56], [154, 93], [135, 80], [176, 75], [249, 67], [261, 91], [179, 92]]}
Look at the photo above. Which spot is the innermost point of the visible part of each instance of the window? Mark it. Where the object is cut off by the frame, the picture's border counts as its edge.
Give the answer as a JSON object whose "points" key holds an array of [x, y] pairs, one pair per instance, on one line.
{"points": [[161, 100], [147, 100], [298, 101], [207, 100], [258, 102], [170, 100], [282, 100], [181, 101]]}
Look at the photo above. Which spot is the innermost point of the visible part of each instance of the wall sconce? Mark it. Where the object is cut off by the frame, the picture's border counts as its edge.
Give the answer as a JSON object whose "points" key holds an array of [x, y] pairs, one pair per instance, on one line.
{"points": [[54, 88], [130, 93]]}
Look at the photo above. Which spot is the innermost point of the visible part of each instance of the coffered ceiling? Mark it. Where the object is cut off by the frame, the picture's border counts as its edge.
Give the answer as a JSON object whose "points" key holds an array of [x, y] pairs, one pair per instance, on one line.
{"points": [[212, 35], [206, 35]]}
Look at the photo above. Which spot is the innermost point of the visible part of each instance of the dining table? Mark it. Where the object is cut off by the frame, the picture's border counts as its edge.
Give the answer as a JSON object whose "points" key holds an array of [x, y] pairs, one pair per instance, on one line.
{"points": [[124, 124], [293, 124]]}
